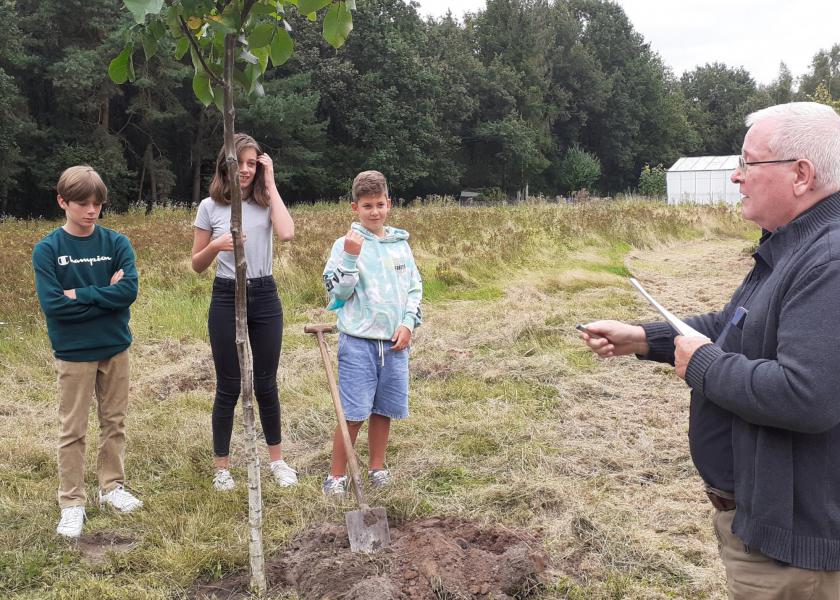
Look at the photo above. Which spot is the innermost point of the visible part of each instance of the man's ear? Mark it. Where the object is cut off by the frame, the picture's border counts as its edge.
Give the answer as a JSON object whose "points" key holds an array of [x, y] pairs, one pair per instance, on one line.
{"points": [[62, 203], [805, 180], [354, 206]]}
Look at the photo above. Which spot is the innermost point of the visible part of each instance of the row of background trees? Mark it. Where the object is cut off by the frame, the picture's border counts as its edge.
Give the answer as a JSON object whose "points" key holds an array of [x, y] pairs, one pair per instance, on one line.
{"points": [[552, 95]]}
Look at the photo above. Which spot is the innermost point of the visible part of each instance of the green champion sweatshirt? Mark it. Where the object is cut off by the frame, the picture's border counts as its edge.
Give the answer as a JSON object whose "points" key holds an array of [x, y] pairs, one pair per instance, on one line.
{"points": [[94, 326]]}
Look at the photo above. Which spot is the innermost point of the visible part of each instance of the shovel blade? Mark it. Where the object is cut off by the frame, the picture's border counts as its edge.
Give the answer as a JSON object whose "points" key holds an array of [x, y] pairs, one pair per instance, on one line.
{"points": [[368, 530]]}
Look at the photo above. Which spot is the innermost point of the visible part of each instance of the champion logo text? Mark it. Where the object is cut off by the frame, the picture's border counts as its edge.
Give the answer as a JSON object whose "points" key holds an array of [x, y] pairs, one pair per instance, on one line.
{"points": [[69, 260]]}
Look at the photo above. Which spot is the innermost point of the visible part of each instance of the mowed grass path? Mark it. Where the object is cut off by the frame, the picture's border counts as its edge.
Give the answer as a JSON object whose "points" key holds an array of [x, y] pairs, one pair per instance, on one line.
{"points": [[513, 422]]}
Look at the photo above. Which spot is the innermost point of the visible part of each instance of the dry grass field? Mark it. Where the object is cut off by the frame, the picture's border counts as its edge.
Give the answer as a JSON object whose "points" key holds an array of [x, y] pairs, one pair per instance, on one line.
{"points": [[513, 421]]}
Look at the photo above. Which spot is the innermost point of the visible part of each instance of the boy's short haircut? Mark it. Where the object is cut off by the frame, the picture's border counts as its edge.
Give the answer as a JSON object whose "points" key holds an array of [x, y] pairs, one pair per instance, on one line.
{"points": [[79, 183], [369, 183]]}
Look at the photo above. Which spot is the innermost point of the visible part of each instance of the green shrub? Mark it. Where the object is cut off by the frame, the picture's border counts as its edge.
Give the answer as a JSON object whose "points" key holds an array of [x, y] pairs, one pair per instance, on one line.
{"points": [[652, 181], [578, 170]]}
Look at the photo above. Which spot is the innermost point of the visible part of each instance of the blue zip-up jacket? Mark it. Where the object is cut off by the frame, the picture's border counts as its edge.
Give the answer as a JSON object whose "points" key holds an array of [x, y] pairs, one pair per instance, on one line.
{"points": [[379, 290]]}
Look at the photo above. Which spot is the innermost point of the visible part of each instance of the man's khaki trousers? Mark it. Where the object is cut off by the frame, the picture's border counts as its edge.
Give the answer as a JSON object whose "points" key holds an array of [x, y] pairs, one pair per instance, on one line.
{"points": [[78, 382], [754, 576]]}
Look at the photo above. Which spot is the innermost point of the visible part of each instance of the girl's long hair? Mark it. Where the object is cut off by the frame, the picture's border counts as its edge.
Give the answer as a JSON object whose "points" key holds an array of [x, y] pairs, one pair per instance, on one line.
{"points": [[220, 185]]}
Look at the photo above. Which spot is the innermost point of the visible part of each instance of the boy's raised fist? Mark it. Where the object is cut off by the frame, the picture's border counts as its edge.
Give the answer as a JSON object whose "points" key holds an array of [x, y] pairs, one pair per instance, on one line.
{"points": [[353, 243]]}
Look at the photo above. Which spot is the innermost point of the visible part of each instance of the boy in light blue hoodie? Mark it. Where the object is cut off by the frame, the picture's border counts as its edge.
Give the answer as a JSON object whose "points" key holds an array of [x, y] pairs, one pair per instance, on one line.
{"points": [[375, 289]]}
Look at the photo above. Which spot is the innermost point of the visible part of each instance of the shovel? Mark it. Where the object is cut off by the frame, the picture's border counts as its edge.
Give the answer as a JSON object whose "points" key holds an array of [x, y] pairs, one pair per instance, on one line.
{"points": [[367, 527]]}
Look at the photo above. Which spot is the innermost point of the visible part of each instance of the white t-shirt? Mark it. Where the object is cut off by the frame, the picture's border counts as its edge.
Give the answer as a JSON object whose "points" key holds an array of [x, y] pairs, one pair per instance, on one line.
{"points": [[256, 224]]}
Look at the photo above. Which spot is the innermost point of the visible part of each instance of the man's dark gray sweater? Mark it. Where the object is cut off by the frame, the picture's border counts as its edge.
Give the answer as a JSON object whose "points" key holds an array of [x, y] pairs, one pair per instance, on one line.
{"points": [[779, 377]]}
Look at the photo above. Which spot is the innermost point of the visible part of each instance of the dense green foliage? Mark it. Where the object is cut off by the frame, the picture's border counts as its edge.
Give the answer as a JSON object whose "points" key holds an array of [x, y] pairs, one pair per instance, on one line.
{"points": [[496, 101], [652, 181], [579, 170]]}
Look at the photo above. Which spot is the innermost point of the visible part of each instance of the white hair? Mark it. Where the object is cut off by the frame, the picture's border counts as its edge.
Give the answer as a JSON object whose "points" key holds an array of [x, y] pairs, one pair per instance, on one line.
{"points": [[806, 130]]}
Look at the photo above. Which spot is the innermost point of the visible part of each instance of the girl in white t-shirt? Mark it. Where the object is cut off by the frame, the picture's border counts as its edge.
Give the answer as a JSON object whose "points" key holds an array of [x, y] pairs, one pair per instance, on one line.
{"points": [[263, 214]]}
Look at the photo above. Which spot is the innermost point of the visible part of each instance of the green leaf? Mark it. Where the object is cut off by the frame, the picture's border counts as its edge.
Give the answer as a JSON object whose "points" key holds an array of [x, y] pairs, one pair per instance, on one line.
{"points": [[262, 55], [118, 69], [338, 23], [181, 47], [149, 46], [252, 74], [308, 7], [221, 26], [262, 10], [202, 89], [173, 21], [140, 8], [218, 43], [351, 4], [261, 36], [282, 47], [157, 29]]}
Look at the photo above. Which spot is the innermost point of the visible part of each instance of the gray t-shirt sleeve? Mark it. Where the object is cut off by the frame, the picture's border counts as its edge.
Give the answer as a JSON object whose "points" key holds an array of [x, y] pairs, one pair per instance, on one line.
{"points": [[202, 218]]}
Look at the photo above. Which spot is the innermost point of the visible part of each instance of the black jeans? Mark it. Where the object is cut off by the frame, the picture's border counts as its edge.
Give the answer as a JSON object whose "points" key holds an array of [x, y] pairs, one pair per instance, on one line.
{"points": [[265, 332]]}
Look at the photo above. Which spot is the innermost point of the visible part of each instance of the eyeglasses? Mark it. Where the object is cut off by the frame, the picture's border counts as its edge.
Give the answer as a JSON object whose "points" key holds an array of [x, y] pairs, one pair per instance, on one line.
{"points": [[743, 164]]}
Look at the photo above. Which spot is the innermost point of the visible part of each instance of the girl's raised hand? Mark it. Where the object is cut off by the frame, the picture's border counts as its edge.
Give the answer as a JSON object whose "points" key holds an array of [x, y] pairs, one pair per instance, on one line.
{"points": [[268, 169]]}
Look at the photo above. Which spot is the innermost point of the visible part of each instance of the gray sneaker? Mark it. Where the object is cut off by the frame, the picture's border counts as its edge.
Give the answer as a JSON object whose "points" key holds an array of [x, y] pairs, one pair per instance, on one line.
{"points": [[379, 477], [335, 486]]}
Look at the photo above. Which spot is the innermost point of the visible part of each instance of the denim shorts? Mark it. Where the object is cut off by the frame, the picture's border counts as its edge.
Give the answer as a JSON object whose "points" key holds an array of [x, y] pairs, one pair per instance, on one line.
{"points": [[372, 378]]}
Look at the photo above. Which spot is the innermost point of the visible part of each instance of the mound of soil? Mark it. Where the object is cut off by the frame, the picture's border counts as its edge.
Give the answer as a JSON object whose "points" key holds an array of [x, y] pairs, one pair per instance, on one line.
{"points": [[428, 559]]}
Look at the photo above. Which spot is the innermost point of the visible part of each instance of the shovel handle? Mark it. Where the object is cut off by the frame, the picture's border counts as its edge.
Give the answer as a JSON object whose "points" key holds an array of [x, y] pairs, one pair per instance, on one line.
{"points": [[318, 331], [322, 327]]}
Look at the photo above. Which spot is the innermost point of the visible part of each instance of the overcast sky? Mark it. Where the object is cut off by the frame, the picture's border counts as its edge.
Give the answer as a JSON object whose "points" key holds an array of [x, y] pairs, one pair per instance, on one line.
{"points": [[755, 34]]}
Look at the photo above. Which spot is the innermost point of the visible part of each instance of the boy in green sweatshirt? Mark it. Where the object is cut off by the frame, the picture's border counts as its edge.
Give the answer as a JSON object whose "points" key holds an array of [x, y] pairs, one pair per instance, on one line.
{"points": [[86, 280]]}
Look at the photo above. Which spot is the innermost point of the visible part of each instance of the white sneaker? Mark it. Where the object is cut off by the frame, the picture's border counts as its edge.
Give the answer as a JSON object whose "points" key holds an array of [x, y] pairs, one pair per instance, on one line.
{"points": [[222, 481], [283, 473], [71, 522], [120, 499]]}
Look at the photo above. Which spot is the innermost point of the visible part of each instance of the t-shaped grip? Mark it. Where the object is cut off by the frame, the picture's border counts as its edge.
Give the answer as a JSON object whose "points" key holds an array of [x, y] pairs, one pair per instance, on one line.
{"points": [[322, 328]]}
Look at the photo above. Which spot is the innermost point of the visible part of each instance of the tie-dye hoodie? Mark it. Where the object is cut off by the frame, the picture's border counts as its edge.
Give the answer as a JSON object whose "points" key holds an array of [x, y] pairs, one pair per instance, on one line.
{"points": [[379, 290]]}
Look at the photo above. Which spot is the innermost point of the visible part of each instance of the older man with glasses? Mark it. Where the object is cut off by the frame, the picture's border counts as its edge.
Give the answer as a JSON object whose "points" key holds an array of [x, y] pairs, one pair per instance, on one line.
{"points": [[764, 423]]}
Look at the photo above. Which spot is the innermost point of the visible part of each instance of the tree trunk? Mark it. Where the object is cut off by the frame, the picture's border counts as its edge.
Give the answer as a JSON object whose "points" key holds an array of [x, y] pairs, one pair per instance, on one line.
{"points": [[196, 157], [155, 199], [104, 111], [143, 178], [147, 166], [243, 347]]}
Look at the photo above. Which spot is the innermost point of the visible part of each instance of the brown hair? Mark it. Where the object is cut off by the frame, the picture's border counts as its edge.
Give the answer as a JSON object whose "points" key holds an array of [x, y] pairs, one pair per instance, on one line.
{"points": [[369, 183], [79, 183], [220, 185]]}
